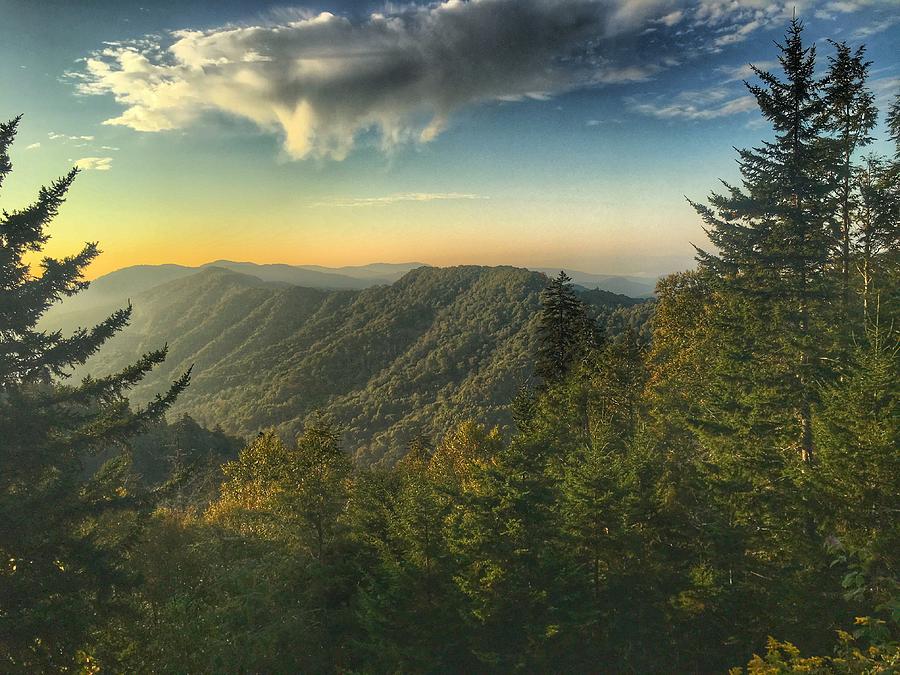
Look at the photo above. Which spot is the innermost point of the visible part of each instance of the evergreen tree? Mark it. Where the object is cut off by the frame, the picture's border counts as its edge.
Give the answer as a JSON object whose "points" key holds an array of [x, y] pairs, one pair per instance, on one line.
{"points": [[60, 567], [409, 606], [524, 408], [564, 329], [504, 535], [860, 436], [893, 123], [304, 484], [877, 238], [773, 244], [849, 115]]}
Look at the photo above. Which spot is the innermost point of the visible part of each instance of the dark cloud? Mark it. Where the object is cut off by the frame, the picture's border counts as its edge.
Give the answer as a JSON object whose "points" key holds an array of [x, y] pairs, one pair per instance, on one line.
{"points": [[321, 80]]}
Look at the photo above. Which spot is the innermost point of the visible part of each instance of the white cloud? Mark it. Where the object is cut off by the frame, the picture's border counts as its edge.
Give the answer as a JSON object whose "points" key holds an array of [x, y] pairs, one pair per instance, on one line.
{"points": [[846, 6], [673, 18], [94, 163], [33, 146], [401, 197], [626, 74], [736, 20]]}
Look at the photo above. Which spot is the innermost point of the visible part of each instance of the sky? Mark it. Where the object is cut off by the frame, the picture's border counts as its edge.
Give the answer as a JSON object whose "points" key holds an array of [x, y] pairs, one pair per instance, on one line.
{"points": [[539, 133]]}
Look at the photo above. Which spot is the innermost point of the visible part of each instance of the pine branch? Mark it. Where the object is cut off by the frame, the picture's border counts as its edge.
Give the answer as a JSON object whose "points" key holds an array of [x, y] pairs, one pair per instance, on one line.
{"points": [[23, 230], [7, 135]]}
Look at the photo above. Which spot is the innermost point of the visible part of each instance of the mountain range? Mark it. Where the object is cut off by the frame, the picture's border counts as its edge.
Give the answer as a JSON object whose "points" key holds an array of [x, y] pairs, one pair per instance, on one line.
{"points": [[387, 362], [115, 288]]}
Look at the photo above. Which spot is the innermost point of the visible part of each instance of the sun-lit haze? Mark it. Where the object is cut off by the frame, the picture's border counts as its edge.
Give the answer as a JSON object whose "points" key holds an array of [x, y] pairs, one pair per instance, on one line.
{"points": [[540, 133]]}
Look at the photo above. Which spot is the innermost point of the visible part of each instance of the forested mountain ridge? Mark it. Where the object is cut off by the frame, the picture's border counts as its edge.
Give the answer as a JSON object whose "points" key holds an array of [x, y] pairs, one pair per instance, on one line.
{"points": [[113, 290], [387, 363]]}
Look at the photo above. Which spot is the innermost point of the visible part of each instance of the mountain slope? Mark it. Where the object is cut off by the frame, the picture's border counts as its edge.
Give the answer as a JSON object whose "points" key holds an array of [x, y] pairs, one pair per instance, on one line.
{"points": [[387, 362]]}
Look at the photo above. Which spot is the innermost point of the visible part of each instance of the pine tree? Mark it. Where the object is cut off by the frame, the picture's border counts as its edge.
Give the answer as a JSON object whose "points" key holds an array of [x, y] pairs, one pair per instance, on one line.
{"points": [[771, 345], [893, 123], [59, 573], [523, 408], [877, 219], [408, 605], [849, 114], [773, 244], [564, 329], [502, 534], [860, 436]]}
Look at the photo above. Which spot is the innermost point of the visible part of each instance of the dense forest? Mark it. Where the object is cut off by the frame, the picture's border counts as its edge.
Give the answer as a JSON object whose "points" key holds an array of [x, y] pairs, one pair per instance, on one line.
{"points": [[696, 484]]}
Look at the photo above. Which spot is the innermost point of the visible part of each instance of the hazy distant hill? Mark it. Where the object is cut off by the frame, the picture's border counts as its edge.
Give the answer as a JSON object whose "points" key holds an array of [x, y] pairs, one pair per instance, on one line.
{"points": [[122, 284], [388, 271], [635, 287], [315, 276], [388, 362], [113, 290]]}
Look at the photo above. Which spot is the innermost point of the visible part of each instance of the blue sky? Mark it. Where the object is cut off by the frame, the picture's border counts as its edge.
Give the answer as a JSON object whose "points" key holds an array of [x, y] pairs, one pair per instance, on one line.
{"points": [[527, 132]]}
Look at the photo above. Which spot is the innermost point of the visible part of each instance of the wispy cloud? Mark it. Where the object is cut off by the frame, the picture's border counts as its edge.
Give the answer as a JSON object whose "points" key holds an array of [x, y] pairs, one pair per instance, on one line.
{"points": [[744, 71], [886, 90], [33, 146], [53, 136], [722, 99], [94, 163], [734, 21], [400, 197], [696, 105], [875, 27], [829, 9]]}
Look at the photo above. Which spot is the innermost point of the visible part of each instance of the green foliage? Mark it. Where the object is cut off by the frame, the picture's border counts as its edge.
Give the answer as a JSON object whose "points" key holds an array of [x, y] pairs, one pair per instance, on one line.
{"points": [[783, 657], [524, 407], [860, 434], [849, 116]]}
